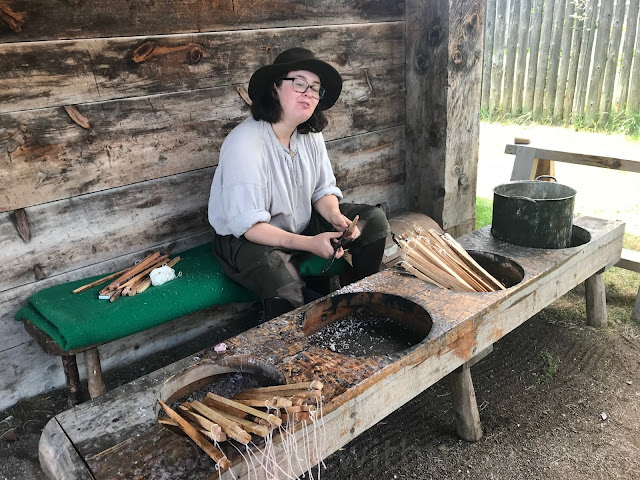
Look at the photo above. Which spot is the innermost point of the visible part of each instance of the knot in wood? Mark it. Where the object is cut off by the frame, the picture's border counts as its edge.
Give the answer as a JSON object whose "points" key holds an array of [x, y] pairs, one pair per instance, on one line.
{"points": [[474, 21], [143, 52], [457, 57], [342, 59], [435, 35], [421, 62], [195, 54]]}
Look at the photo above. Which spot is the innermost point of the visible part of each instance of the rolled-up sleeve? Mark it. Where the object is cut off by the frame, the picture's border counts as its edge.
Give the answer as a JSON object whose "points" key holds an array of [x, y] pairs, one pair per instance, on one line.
{"points": [[326, 180]]}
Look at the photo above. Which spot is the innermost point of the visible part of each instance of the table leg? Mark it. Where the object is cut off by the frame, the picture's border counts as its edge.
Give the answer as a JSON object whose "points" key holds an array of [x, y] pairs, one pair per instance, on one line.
{"points": [[72, 376], [596, 299], [94, 372], [465, 407], [635, 315]]}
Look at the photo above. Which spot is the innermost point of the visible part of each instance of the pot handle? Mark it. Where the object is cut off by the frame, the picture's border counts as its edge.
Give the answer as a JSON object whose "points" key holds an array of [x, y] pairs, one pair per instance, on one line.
{"points": [[547, 176]]}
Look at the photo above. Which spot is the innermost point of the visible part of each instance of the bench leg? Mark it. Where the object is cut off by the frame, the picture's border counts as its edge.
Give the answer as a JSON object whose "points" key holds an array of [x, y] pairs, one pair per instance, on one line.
{"points": [[94, 372], [465, 408], [72, 376], [596, 300]]}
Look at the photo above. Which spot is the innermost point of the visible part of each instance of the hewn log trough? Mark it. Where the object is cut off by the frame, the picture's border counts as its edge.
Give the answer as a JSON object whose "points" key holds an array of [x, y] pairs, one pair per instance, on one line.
{"points": [[118, 436]]}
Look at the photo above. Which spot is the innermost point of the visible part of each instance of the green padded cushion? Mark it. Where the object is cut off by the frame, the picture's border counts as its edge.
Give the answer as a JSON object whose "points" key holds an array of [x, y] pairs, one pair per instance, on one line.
{"points": [[75, 321]]}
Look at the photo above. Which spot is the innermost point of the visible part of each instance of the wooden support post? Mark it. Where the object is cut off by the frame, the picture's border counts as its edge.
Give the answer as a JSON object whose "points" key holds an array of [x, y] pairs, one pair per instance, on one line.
{"points": [[94, 372], [635, 315], [465, 407], [444, 43], [73, 379], [596, 300]]}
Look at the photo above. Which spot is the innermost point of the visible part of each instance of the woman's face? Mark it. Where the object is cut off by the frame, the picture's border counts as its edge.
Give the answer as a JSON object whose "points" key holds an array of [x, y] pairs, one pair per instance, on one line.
{"points": [[297, 107]]}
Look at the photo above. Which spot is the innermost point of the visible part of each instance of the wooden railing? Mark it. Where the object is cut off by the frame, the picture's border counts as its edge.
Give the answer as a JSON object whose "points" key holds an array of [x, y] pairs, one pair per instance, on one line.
{"points": [[532, 161]]}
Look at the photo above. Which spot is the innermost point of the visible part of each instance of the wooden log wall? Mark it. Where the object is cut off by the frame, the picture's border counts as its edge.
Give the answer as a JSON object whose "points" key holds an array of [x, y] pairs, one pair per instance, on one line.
{"points": [[444, 71], [112, 115]]}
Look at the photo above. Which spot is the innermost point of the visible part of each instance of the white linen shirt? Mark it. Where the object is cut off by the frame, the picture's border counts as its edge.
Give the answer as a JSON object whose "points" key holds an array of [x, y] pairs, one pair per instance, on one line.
{"points": [[258, 180]]}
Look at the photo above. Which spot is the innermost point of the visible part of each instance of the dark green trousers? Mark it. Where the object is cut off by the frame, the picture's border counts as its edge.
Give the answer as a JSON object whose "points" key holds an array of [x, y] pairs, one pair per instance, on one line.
{"points": [[273, 272]]}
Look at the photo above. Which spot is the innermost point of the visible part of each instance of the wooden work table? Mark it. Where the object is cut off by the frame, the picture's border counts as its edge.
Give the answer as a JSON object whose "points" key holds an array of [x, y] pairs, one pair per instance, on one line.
{"points": [[117, 435]]}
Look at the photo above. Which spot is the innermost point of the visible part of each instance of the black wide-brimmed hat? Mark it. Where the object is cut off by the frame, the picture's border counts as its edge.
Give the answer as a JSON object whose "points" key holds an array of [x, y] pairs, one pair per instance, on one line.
{"points": [[297, 59]]}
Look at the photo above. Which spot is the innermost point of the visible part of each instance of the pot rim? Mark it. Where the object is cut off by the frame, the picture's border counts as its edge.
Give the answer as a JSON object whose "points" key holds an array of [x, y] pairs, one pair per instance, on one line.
{"points": [[514, 182]]}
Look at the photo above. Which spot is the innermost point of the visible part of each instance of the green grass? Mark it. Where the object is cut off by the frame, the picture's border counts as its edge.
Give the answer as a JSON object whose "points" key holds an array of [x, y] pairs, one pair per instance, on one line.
{"points": [[484, 210], [623, 123], [549, 367]]}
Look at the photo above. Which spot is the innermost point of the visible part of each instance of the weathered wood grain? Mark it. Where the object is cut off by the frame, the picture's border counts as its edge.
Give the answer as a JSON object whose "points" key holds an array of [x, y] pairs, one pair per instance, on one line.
{"points": [[551, 86], [61, 19], [634, 85], [613, 56], [596, 77], [510, 60], [576, 44], [60, 458], [497, 60], [141, 139], [465, 407], [489, 33], [596, 300], [534, 49], [584, 62], [543, 58], [57, 73], [444, 55], [563, 71], [25, 370], [358, 392], [624, 74], [593, 160], [523, 49], [71, 234]]}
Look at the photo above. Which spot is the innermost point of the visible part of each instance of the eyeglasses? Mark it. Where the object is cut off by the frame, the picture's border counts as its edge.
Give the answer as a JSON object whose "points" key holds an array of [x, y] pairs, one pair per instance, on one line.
{"points": [[301, 86]]}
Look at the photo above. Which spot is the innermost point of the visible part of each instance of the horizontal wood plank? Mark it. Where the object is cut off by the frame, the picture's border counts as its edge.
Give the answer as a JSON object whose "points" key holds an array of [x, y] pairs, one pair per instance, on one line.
{"points": [[58, 73], [45, 156], [629, 260], [82, 231], [61, 19], [26, 370], [625, 164]]}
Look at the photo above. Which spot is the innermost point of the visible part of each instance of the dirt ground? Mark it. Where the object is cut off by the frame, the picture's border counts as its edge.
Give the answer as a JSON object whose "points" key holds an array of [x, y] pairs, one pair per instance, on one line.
{"points": [[558, 399]]}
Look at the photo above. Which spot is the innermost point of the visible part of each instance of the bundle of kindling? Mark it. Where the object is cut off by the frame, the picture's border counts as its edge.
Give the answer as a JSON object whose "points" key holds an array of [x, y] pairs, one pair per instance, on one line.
{"points": [[132, 280], [441, 261], [258, 411]]}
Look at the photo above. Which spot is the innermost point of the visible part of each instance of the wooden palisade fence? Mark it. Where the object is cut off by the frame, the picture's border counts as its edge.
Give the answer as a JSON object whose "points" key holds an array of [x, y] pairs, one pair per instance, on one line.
{"points": [[566, 60]]}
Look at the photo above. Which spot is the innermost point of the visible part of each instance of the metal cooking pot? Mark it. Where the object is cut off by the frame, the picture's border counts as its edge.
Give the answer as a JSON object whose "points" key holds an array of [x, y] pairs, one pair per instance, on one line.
{"points": [[533, 213]]}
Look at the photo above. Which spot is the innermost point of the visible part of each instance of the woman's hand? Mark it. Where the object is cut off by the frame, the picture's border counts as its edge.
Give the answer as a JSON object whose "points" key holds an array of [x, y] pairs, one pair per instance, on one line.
{"points": [[340, 223], [322, 244]]}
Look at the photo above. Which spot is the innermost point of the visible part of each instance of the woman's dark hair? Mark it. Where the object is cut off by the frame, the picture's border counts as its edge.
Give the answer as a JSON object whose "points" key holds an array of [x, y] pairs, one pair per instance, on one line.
{"points": [[268, 108]]}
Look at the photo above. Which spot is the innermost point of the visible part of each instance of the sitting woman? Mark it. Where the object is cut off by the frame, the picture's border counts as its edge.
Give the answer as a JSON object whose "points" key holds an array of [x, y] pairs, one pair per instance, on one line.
{"points": [[274, 197]]}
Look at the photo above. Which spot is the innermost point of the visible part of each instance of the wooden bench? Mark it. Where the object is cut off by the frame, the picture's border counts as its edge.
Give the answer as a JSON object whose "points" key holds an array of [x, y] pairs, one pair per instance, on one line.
{"points": [[532, 161]]}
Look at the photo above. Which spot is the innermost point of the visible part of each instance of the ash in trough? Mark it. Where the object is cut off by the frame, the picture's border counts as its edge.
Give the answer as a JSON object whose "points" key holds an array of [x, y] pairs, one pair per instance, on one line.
{"points": [[364, 333], [366, 323]]}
